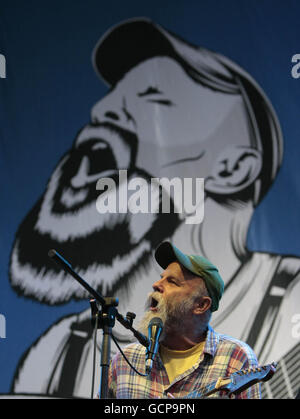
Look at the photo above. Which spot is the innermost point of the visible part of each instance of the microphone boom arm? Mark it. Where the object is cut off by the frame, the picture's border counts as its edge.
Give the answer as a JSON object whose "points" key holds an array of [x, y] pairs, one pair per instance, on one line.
{"points": [[110, 313]]}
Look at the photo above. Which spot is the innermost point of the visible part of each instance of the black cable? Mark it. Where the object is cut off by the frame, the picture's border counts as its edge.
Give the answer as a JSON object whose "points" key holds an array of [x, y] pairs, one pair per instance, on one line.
{"points": [[94, 356], [124, 356]]}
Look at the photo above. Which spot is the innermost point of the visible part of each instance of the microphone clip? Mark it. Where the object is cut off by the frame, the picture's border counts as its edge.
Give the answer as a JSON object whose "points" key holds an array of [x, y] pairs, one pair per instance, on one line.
{"points": [[106, 314]]}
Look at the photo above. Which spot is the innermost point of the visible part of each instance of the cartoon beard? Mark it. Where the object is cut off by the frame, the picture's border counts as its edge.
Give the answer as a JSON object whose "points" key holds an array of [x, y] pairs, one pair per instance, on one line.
{"points": [[104, 249]]}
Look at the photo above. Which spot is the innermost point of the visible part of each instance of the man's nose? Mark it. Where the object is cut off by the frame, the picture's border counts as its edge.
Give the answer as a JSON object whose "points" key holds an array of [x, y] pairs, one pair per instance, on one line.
{"points": [[113, 108], [158, 286]]}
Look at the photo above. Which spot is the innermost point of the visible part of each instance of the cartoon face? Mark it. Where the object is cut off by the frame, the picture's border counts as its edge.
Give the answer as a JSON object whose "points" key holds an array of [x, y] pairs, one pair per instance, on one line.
{"points": [[173, 117], [156, 121]]}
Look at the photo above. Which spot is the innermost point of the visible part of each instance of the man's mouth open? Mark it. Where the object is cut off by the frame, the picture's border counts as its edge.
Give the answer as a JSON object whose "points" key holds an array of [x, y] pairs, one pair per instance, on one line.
{"points": [[153, 304]]}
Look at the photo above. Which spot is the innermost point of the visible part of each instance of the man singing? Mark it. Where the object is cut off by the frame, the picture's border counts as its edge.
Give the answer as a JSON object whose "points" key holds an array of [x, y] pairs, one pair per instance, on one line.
{"points": [[191, 354]]}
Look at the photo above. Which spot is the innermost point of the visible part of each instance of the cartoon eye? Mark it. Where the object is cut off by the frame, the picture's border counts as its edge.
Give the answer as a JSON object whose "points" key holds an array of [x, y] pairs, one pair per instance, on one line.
{"points": [[165, 102], [150, 91]]}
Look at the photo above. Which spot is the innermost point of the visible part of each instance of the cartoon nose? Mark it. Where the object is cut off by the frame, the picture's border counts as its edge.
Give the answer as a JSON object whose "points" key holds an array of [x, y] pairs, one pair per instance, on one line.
{"points": [[112, 115], [113, 108]]}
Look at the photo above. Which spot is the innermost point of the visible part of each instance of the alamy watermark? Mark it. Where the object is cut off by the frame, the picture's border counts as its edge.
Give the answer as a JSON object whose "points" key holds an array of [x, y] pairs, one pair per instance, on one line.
{"points": [[296, 328], [2, 67], [158, 195], [296, 68], [2, 327]]}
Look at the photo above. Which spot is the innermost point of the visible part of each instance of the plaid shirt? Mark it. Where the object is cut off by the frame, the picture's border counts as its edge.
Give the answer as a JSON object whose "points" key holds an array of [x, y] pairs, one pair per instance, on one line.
{"points": [[222, 356]]}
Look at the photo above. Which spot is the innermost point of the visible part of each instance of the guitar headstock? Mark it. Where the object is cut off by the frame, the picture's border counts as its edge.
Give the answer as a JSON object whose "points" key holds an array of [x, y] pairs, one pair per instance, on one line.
{"points": [[241, 380]]}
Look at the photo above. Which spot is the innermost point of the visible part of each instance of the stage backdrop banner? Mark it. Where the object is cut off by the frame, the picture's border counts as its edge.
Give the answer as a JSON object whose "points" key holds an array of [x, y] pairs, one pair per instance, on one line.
{"points": [[123, 125]]}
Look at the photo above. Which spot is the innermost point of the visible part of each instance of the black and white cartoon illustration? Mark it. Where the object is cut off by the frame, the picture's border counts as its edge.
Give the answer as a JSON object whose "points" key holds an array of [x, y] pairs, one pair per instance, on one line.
{"points": [[173, 110]]}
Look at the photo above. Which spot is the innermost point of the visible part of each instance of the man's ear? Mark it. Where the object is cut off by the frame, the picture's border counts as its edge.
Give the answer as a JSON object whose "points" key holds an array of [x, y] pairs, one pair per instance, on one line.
{"points": [[235, 169], [202, 305]]}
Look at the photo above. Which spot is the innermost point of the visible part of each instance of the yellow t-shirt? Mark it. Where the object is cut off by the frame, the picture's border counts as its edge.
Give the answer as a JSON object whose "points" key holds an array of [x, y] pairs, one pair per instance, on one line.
{"points": [[177, 362]]}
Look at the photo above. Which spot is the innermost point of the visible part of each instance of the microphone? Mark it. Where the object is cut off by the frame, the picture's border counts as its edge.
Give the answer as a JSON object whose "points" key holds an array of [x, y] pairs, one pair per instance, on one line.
{"points": [[154, 331]]}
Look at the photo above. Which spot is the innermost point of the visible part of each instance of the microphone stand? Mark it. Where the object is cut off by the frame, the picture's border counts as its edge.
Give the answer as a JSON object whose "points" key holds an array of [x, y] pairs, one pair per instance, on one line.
{"points": [[108, 313]]}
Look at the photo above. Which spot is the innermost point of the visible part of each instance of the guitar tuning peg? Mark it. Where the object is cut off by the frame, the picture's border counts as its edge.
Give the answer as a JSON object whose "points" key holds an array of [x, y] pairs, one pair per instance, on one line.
{"points": [[274, 364]]}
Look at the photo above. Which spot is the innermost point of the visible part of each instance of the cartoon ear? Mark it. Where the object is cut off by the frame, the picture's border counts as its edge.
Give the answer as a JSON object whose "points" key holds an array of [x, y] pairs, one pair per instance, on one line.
{"points": [[235, 169]]}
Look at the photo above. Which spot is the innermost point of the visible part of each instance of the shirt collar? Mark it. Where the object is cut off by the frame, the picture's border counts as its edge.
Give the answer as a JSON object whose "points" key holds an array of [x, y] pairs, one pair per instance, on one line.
{"points": [[211, 344], [212, 340]]}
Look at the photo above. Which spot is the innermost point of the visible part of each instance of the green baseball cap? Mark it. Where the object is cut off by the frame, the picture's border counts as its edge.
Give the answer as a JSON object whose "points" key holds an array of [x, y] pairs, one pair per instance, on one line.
{"points": [[167, 253]]}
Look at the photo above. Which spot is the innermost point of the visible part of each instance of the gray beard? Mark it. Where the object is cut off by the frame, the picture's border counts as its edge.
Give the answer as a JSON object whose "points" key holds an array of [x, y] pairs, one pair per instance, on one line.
{"points": [[172, 314]]}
